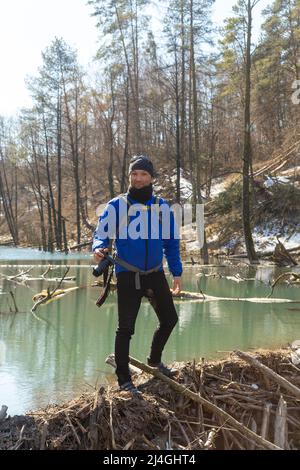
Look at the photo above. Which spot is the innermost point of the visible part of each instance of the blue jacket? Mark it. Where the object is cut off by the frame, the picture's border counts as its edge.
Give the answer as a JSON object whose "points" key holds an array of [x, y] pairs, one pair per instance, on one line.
{"points": [[144, 253]]}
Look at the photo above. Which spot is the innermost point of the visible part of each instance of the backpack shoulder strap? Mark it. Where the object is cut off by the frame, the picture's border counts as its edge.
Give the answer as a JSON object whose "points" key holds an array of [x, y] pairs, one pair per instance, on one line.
{"points": [[157, 201], [125, 198]]}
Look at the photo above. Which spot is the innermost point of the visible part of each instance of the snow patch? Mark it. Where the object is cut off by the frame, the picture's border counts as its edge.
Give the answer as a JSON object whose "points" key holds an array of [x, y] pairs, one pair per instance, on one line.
{"points": [[271, 181], [186, 189], [218, 186], [265, 237], [291, 171]]}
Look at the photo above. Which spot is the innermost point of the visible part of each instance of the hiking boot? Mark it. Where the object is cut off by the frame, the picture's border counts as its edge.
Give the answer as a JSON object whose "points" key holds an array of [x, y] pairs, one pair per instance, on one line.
{"points": [[163, 369], [131, 388]]}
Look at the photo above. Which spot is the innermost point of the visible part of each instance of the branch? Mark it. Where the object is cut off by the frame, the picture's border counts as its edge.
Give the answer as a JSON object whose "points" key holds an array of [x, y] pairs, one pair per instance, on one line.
{"points": [[208, 405], [295, 391], [49, 294], [282, 276]]}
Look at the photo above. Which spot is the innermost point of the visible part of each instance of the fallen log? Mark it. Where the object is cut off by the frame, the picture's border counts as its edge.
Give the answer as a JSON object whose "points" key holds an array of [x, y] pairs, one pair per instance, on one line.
{"points": [[281, 256], [197, 296], [295, 391], [278, 161], [48, 297], [110, 360], [263, 254]]}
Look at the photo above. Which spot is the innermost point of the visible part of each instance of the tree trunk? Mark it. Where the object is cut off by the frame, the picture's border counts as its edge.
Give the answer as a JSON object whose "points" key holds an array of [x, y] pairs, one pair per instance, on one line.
{"points": [[39, 196], [196, 127], [50, 196], [182, 110], [133, 87], [7, 201], [178, 159], [50, 225], [59, 172], [247, 147], [125, 155], [111, 142], [73, 136]]}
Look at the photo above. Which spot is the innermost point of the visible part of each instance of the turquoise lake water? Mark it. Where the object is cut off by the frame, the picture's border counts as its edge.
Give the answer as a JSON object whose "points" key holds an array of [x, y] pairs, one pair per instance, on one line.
{"points": [[62, 353]]}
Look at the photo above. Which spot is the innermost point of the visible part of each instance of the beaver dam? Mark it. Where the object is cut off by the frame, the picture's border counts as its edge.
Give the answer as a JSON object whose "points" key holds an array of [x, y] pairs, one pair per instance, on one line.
{"points": [[248, 401]]}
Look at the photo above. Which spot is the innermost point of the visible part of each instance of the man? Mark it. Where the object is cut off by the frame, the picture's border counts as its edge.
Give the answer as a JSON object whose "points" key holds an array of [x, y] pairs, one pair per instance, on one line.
{"points": [[140, 269]]}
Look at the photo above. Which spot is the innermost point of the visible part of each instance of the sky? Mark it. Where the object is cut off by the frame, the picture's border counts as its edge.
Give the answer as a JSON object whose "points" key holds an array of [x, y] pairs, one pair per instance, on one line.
{"points": [[27, 27]]}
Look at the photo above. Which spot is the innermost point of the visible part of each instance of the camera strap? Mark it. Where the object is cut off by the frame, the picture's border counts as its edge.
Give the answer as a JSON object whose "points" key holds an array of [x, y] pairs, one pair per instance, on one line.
{"points": [[107, 275]]}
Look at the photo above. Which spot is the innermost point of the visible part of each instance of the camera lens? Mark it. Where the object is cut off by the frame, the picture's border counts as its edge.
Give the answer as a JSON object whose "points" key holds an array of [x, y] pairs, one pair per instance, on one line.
{"points": [[99, 270]]}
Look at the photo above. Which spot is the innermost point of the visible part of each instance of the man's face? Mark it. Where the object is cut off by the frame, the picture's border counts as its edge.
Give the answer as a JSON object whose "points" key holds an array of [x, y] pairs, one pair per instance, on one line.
{"points": [[140, 178]]}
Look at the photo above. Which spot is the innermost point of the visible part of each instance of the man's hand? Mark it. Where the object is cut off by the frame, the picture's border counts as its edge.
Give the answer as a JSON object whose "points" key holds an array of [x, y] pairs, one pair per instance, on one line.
{"points": [[176, 285], [98, 254]]}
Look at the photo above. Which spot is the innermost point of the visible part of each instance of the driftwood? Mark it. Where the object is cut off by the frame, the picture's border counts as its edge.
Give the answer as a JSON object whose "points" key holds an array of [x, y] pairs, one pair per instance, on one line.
{"points": [[281, 256], [280, 435], [16, 276], [53, 266], [268, 253], [235, 278], [196, 296], [49, 297], [46, 296], [266, 420], [19, 443], [110, 360], [44, 433], [50, 294], [225, 417], [288, 275], [209, 444], [295, 391], [23, 276], [253, 427]]}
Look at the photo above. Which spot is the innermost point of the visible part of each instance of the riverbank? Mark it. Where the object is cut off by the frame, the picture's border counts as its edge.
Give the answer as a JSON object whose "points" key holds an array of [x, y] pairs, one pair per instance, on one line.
{"points": [[211, 405]]}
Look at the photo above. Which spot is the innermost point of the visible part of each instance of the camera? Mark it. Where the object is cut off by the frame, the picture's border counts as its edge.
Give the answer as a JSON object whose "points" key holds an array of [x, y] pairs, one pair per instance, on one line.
{"points": [[102, 266]]}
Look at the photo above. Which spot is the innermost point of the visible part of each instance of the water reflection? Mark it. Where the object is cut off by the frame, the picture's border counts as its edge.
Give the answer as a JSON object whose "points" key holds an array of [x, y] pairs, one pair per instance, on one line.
{"points": [[62, 353]]}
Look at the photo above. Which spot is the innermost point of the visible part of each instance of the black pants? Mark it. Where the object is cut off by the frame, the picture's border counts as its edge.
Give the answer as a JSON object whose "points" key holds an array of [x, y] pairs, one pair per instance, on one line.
{"points": [[129, 301]]}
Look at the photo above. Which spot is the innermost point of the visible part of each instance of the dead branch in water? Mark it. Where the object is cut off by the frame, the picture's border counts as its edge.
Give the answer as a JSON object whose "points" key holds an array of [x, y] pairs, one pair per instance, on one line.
{"points": [[288, 275], [23, 278], [50, 294]]}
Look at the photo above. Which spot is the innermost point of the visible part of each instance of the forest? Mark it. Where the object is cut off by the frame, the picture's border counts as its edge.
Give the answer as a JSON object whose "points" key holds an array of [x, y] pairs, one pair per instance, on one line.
{"points": [[216, 108], [206, 104]]}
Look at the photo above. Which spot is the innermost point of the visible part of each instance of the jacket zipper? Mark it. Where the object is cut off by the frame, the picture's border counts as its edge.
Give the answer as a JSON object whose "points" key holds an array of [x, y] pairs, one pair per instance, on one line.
{"points": [[146, 258], [149, 230]]}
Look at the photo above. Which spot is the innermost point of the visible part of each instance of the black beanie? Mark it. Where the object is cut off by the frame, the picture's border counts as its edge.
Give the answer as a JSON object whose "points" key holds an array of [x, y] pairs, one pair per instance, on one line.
{"points": [[141, 162]]}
